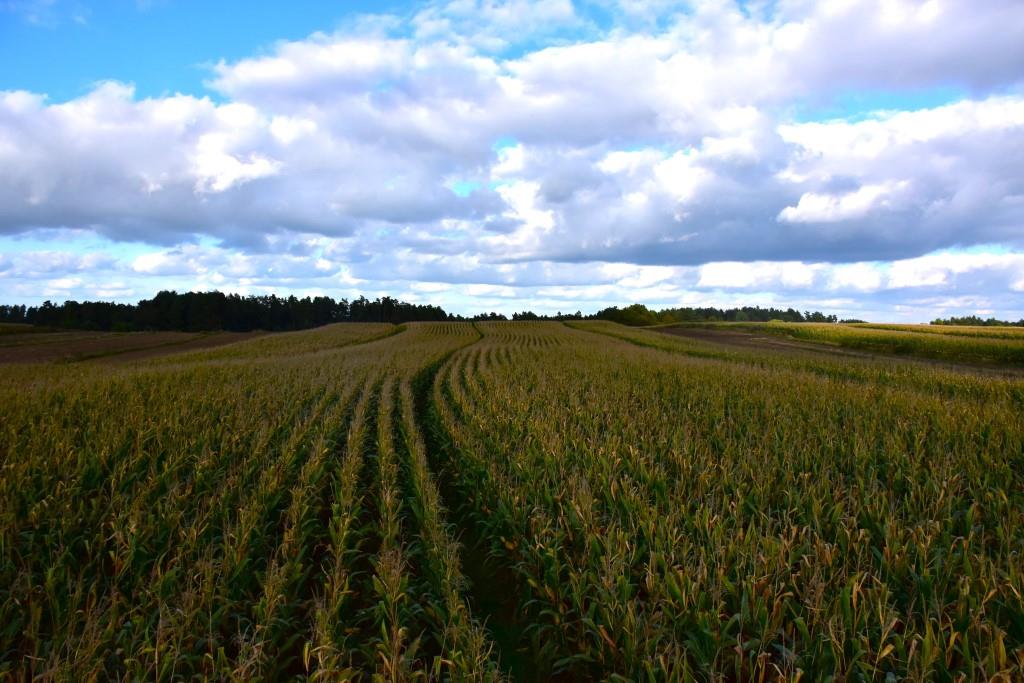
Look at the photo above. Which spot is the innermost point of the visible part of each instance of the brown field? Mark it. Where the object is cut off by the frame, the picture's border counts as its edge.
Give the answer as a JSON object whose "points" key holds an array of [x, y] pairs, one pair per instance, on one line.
{"points": [[20, 328], [749, 338], [74, 346], [753, 340]]}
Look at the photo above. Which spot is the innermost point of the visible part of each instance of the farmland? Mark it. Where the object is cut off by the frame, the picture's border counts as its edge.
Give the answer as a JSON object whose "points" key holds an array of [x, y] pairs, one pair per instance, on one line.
{"points": [[996, 346], [26, 344], [516, 501]]}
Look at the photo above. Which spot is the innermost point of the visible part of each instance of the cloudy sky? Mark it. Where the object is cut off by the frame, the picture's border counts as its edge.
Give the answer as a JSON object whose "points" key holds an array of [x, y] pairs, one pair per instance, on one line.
{"points": [[862, 157]]}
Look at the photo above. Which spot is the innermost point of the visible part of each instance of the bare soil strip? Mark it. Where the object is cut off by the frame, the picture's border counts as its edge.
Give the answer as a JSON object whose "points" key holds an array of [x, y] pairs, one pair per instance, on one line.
{"points": [[760, 342], [70, 348], [206, 341], [765, 342], [113, 346]]}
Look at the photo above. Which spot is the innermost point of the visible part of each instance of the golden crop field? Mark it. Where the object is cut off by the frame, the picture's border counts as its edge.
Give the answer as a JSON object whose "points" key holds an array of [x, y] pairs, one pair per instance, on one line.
{"points": [[992, 332], [510, 501]]}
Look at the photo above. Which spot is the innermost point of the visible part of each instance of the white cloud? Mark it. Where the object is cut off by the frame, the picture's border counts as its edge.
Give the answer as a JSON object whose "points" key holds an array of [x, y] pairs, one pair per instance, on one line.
{"points": [[942, 268], [152, 263], [727, 275], [430, 287], [629, 161], [664, 146], [826, 208], [864, 277], [216, 171], [490, 291], [681, 176], [288, 129], [871, 138], [510, 162], [61, 286]]}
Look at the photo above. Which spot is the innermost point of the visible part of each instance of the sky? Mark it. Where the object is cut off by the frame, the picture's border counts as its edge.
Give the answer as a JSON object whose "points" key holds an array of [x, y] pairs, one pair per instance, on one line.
{"points": [[859, 157]]}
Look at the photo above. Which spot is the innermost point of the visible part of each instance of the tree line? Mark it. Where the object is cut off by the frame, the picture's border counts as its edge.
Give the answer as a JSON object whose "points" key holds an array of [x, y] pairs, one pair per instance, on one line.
{"points": [[975, 321], [201, 311], [638, 314]]}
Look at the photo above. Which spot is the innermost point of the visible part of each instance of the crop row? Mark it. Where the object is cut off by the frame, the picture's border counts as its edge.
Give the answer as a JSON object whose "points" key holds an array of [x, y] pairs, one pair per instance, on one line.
{"points": [[255, 517], [673, 518], [650, 508]]}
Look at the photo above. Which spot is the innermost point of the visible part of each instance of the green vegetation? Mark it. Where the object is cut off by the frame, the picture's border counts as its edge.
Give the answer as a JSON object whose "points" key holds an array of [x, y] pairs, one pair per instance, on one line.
{"points": [[973, 320], [639, 315], [204, 311], [526, 501]]}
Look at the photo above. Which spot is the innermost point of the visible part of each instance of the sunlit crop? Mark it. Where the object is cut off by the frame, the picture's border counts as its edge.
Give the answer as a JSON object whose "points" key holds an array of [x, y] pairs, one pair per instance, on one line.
{"points": [[510, 501]]}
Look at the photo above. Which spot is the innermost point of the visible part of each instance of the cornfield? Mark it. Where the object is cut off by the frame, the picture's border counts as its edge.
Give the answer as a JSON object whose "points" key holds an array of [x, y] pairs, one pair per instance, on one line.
{"points": [[510, 501]]}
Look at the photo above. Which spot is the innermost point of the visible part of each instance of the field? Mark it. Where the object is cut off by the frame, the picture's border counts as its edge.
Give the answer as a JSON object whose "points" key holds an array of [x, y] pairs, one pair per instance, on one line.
{"points": [[20, 328], [514, 501], [997, 346], [990, 332], [26, 344]]}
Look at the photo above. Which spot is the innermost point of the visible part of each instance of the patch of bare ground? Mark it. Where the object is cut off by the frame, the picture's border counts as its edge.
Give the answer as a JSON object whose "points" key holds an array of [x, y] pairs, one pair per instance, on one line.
{"points": [[44, 337], [57, 347], [205, 341], [752, 340], [766, 342], [72, 346]]}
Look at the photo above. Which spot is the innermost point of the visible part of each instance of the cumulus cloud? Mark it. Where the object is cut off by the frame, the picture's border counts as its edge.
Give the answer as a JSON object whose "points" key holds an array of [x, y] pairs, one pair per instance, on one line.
{"points": [[531, 143], [826, 208]]}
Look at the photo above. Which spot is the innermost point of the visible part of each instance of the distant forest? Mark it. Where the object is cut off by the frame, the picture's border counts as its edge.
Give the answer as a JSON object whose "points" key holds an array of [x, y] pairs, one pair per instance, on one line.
{"points": [[975, 321], [638, 314], [201, 311]]}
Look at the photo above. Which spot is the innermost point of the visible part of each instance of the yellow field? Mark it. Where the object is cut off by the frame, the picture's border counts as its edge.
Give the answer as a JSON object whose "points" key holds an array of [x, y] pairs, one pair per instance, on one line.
{"points": [[518, 501]]}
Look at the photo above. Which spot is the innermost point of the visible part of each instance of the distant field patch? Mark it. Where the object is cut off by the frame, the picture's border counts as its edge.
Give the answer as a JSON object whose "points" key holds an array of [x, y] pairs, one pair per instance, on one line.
{"points": [[20, 328], [989, 332], [982, 346], [50, 347]]}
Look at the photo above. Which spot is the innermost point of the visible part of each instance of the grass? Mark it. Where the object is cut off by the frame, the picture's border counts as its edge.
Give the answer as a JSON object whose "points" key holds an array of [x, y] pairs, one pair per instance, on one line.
{"points": [[651, 507]]}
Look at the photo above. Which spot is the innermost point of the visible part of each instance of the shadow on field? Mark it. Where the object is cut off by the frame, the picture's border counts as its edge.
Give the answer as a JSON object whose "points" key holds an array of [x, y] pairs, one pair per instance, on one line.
{"points": [[494, 592]]}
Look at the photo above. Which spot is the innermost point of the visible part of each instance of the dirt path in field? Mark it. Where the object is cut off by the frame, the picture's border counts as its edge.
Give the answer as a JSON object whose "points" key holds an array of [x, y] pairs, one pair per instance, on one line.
{"points": [[494, 592], [767, 342]]}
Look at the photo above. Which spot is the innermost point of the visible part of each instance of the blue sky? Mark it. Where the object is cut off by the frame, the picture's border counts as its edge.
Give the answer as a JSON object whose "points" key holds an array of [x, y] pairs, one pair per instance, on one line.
{"points": [[162, 46], [853, 156]]}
